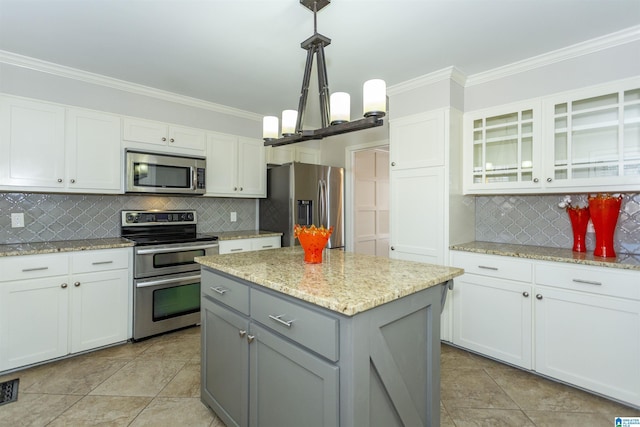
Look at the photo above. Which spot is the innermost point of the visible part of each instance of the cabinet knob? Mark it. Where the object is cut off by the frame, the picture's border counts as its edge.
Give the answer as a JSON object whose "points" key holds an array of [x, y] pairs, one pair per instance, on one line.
{"points": [[525, 294], [240, 188], [536, 180], [73, 181], [250, 338], [164, 139], [242, 333], [539, 296], [549, 179], [171, 140], [63, 286], [393, 248], [59, 179], [393, 163], [235, 188], [76, 284]]}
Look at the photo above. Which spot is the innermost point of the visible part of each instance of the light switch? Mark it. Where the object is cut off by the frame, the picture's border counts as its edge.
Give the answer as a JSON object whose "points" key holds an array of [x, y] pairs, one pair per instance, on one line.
{"points": [[17, 220], [234, 217]]}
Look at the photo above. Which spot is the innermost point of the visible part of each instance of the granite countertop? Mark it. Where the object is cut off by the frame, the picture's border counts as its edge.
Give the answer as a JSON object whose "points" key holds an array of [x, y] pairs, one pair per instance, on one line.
{"points": [[344, 282], [63, 246], [622, 261], [244, 234]]}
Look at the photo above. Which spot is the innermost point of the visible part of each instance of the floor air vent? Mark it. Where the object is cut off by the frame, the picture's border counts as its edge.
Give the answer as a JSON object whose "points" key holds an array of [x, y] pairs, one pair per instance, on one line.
{"points": [[9, 391]]}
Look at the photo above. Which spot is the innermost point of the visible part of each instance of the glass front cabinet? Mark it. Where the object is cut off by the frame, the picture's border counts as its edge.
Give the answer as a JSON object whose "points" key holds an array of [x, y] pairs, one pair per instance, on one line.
{"points": [[588, 138]]}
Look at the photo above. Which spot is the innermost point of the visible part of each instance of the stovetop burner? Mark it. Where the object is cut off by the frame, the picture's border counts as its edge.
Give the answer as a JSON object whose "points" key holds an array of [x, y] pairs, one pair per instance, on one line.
{"points": [[162, 227]]}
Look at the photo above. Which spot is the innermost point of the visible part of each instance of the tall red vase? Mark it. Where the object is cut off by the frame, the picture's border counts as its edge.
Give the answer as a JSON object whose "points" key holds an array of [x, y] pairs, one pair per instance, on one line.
{"points": [[604, 210], [579, 220]]}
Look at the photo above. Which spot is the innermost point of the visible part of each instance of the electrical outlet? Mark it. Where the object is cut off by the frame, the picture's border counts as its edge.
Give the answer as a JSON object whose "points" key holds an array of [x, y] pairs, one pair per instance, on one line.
{"points": [[234, 217], [17, 220]]}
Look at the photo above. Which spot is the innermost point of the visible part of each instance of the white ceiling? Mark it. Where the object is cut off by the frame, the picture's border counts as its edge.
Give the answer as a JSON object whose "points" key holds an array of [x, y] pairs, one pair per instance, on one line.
{"points": [[246, 54]]}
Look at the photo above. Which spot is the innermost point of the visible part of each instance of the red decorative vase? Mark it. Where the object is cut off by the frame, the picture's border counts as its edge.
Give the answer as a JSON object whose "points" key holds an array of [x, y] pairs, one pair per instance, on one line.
{"points": [[579, 220], [604, 210], [313, 240]]}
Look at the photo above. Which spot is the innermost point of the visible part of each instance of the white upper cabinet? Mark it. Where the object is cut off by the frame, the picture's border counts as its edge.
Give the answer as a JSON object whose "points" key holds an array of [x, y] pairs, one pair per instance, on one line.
{"points": [[93, 155], [49, 148], [417, 141], [236, 167], [594, 138], [291, 153], [158, 136], [575, 141], [32, 144], [502, 148]]}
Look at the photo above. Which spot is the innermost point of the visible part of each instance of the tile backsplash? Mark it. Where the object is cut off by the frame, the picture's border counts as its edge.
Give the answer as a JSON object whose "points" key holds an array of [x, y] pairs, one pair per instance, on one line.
{"points": [[51, 217], [537, 220]]}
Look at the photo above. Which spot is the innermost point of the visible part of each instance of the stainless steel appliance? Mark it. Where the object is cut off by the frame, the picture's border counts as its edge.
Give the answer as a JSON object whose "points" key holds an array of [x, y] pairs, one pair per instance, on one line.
{"points": [[164, 173], [305, 194], [166, 285]]}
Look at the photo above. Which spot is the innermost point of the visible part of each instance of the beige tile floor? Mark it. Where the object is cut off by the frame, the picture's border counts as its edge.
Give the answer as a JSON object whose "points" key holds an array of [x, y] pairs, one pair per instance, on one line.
{"points": [[157, 383]]}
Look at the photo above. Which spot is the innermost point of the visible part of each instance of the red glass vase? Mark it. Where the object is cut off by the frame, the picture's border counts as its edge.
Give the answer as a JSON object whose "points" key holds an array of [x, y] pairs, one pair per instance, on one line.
{"points": [[579, 220], [313, 240], [604, 210]]}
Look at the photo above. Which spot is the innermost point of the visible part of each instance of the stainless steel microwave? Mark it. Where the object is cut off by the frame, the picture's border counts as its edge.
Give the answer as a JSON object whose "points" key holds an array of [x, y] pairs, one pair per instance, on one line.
{"points": [[164, 173]]}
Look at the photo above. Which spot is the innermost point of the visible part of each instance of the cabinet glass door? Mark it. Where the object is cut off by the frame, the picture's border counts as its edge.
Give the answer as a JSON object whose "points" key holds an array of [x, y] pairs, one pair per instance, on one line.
{"points": [[597, 137], [503, 148]]}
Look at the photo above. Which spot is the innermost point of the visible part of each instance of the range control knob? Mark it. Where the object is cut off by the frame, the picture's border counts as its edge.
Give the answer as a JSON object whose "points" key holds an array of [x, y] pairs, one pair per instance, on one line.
{"points": [[190, 216], [131, 218]]}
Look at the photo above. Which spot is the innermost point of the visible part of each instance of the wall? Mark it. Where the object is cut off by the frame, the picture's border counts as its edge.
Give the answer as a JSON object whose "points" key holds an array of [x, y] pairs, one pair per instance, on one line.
{"points": [[538, 221], [51, 217]]}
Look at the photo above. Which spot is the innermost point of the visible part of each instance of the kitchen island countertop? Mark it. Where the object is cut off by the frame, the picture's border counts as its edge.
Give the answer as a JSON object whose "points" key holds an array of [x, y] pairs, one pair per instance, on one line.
{"points": [[344, 282], [622, 261], [36, 248]]}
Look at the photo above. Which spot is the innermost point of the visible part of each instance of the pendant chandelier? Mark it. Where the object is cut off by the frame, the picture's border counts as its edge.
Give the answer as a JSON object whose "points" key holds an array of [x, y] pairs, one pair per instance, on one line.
{"points": [[334, 109]]}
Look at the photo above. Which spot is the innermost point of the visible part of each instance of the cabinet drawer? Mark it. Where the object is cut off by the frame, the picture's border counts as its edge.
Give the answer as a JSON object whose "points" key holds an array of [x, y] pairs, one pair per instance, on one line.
{"points": [[603, 281], [100, 260], [262, 243], [494, 266], [232, 246], [225, 290], [309, 328], [33, 266]]}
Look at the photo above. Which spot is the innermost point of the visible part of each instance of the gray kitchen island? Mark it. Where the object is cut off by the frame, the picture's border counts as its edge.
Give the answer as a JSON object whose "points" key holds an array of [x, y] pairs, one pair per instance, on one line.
{"points": [[353, 341]]}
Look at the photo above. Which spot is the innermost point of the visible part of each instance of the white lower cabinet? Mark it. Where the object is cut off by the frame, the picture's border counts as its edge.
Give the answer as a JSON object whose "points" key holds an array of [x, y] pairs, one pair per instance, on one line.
{"points": [[252, 244], [53, 305], [575, 323]]}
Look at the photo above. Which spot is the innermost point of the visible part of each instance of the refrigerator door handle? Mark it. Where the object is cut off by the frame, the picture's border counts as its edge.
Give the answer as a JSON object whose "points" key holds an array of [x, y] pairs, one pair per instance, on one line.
{"points": [[322, 203]]}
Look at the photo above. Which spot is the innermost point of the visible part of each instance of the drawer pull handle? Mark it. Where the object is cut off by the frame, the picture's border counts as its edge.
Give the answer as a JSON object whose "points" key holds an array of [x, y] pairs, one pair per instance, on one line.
{"points": [[219, 290], [102, 262], [485, 267], [278, 319], [588, 282], [26, 270], [267, 246], [236, 250]]}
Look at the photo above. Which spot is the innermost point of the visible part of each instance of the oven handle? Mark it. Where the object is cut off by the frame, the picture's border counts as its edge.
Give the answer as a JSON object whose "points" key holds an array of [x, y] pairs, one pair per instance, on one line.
{"points": [[148, 283], [174, 249]]}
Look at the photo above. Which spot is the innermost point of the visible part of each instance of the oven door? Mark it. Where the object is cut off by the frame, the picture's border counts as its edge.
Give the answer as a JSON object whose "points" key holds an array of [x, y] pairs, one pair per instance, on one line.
{"points": [[165, 303], [158, 260]]}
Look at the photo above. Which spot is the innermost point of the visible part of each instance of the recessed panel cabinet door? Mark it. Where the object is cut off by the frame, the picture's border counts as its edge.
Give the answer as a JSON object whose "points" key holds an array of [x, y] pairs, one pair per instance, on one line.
{"points": [[93, 151], [31, 143]]}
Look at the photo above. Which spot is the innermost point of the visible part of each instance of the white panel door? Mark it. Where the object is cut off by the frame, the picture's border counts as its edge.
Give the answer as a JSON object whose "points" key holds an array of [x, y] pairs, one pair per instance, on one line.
{"points": [[222, 165], [93, 151], [252, 168], [417, 217]]}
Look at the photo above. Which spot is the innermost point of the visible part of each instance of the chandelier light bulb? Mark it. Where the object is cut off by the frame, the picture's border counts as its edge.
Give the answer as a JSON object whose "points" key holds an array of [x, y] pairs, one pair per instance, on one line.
{"points": [[374, 98], [289, 119], [270, 127], [340, 108]]}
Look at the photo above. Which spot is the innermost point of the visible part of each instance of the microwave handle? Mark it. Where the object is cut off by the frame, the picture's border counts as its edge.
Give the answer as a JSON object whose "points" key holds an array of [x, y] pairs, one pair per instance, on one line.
{"points": [[194, 178]]}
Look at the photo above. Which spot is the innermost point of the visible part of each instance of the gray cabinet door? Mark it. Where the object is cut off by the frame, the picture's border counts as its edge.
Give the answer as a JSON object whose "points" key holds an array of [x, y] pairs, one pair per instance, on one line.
{"points": [[225, 363], [290, 387]]}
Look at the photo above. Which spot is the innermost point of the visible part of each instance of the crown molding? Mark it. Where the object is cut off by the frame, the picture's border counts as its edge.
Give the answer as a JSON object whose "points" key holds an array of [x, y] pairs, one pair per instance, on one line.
{"points": [[97, 79], [449, 73], [618, 38]]}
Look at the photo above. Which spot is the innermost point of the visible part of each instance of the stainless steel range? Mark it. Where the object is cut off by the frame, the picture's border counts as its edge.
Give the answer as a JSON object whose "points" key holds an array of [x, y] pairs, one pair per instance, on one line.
{"points": [[166, 294]]}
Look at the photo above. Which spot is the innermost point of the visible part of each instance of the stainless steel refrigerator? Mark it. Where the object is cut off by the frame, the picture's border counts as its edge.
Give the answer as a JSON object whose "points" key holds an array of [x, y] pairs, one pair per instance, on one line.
{"points": [[305, 194]]}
